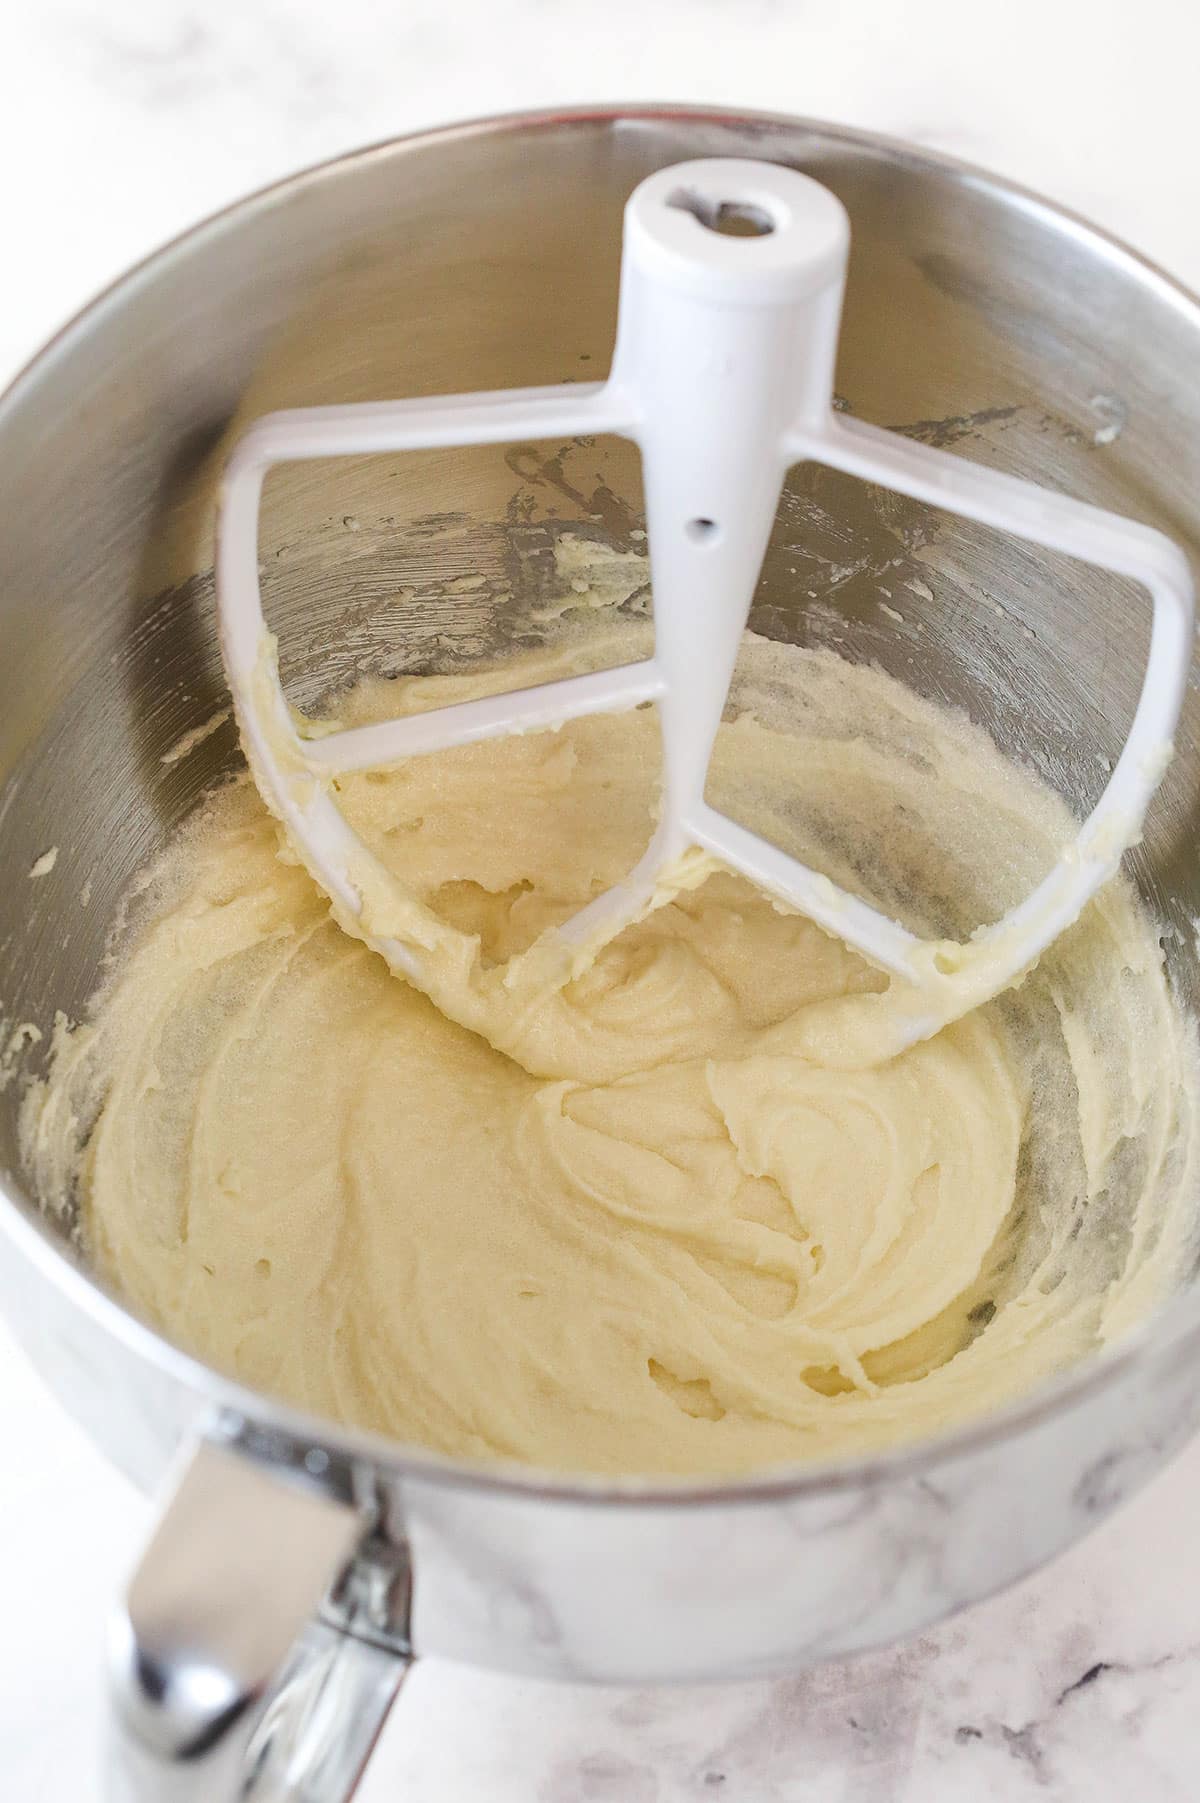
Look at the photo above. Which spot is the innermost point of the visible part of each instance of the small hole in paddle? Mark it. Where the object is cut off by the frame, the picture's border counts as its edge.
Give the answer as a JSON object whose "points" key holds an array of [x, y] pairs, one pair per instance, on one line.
{"points": [[703, 531], [730, 218]]}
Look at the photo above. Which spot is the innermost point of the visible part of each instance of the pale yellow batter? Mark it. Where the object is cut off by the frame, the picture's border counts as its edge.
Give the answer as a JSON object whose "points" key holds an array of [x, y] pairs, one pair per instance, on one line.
{"points": [[662, 1231]]}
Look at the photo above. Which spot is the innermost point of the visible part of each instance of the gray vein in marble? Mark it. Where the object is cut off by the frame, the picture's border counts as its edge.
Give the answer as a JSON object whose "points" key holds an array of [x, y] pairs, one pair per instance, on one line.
{"points": [[1039, 1742]]}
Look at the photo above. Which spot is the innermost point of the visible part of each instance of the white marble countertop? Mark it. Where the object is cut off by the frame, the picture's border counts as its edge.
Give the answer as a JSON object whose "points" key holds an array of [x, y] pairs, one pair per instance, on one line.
{"points": [[124, 121]]}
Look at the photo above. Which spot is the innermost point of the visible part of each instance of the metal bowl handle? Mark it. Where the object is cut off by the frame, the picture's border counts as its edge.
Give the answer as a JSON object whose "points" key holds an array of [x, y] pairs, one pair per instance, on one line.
{"points": [[242, 1664]]}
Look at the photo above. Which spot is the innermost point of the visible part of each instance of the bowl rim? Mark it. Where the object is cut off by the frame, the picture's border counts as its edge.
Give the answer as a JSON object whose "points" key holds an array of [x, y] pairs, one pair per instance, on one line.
{"points": [[1175, 1327]]}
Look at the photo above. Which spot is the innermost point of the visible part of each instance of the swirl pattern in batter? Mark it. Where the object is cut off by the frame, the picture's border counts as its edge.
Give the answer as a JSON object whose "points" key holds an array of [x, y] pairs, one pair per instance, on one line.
{"points": [[668, 1229]]}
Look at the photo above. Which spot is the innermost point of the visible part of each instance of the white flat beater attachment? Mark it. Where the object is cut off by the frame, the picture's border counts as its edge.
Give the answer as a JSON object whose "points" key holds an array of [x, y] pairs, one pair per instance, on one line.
{"points": [[731, 294]]}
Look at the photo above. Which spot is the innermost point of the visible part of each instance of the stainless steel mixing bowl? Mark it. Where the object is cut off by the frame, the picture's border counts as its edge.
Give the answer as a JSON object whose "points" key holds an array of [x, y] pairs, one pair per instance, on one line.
{"points": [[297, 1566]]}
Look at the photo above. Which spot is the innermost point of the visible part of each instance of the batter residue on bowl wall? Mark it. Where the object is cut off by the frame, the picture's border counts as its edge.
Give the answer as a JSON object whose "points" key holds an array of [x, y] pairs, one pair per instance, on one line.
{"points": [[662, 1232]]}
